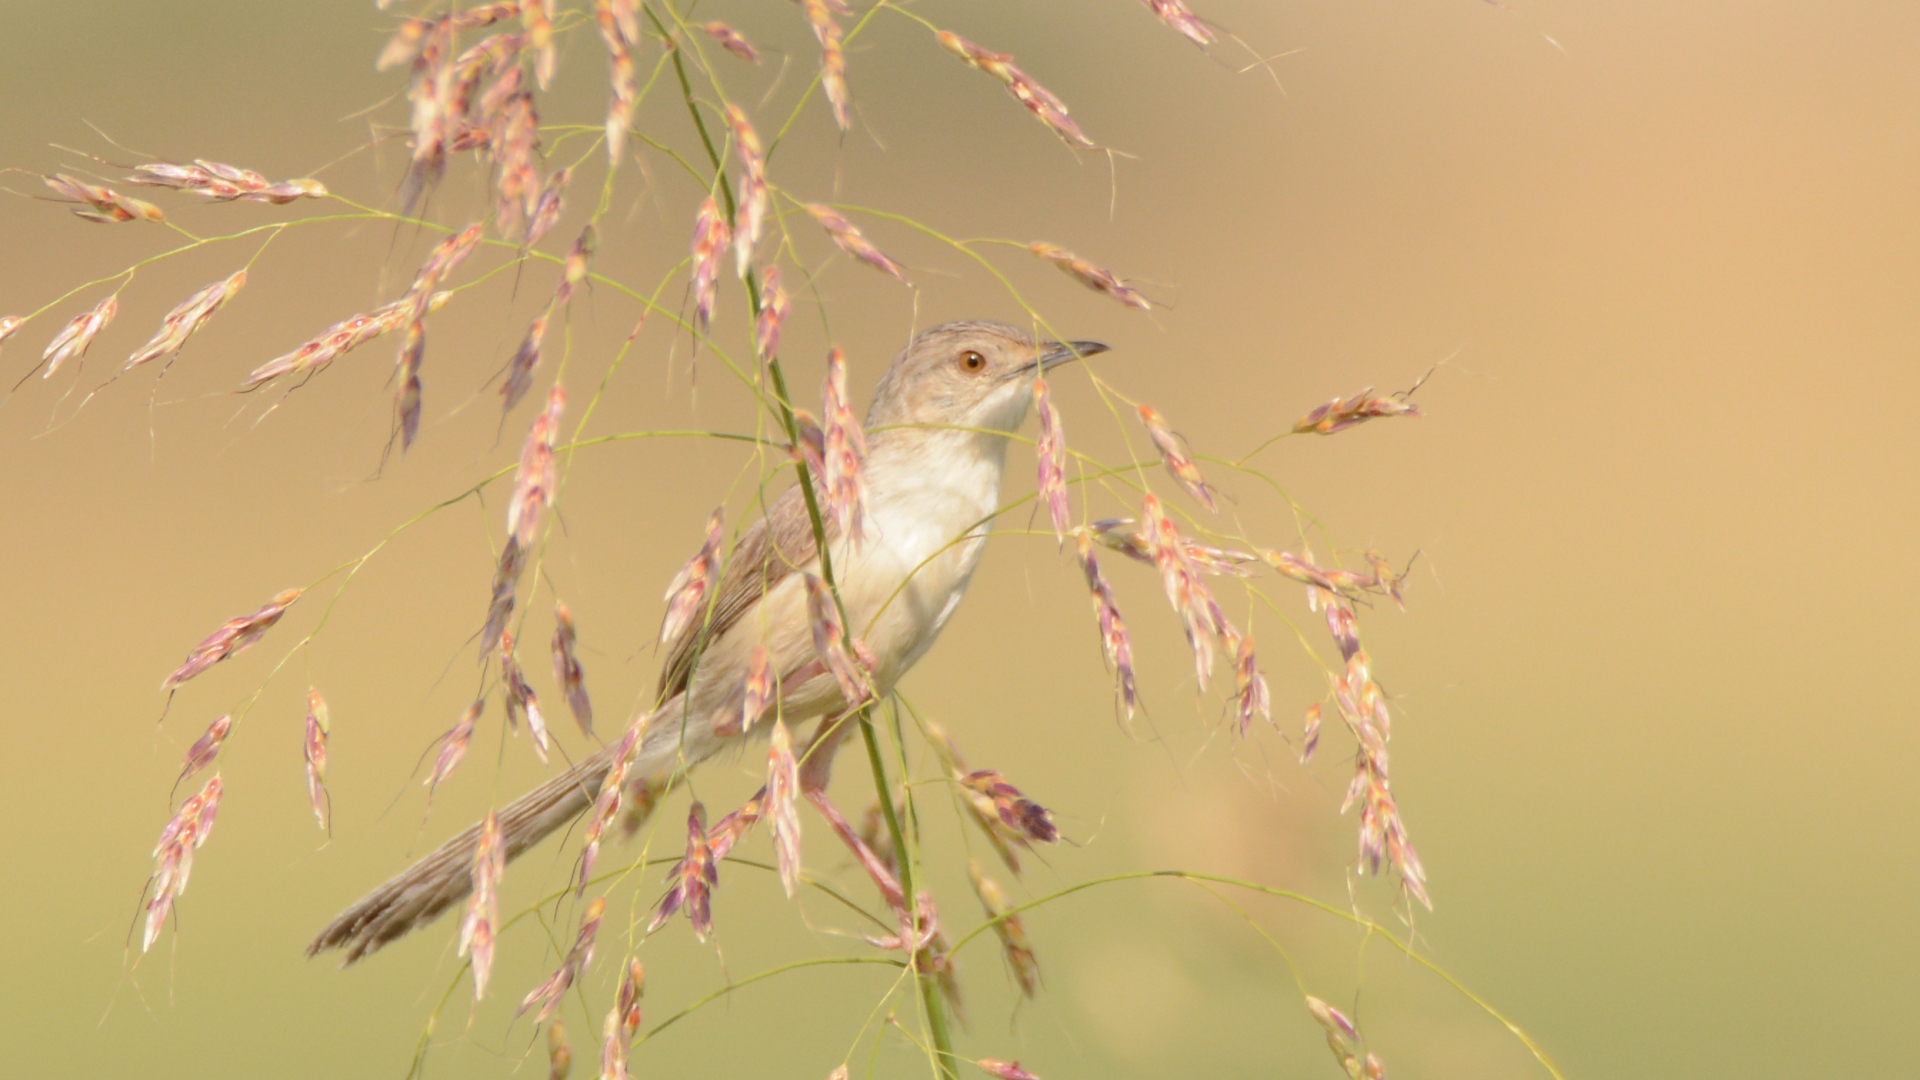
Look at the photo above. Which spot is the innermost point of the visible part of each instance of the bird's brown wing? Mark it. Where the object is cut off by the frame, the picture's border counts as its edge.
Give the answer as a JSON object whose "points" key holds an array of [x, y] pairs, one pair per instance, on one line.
{"points": [[773, 547]]}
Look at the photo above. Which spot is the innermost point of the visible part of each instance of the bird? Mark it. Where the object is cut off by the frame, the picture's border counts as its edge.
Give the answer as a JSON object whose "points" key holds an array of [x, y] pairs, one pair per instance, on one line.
{"points": [[938, 428]]}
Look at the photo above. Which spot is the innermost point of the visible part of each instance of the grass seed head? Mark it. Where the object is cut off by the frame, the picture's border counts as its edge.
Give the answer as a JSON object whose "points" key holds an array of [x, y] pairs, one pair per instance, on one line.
{"points": [[9, 325], [520, 699], [759, 693], [74, 338], [482, 924], [340, 338], [186, 319], [710, 235], [1250, 687], [783, 783], [108, 207], [692, 878], [567, 671], [1026, 818], [686, 596], [205, 748], [319, 726], [526, 358], [234, 636], [1115, 642], [1051, 452], [773, 315], [1010, 929], [1343, 413], [852, 241], [829, 644], [1177, 15], [833, 58], [1004, 1070], [730, 40], [1097, 278], [453, 745], [184, 833], [559, 1054], [1175, 456], [537, 17], [844, 451], [549, 994], [534, 481], [1310, 733]]}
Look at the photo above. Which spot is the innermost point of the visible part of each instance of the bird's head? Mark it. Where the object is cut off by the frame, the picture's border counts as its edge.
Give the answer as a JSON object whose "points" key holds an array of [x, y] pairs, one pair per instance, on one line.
{"points": [[968, 375]]}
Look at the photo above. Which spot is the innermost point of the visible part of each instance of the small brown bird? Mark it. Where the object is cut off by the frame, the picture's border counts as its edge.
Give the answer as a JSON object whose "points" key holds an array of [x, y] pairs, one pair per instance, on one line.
{"points": [[938, 429]]}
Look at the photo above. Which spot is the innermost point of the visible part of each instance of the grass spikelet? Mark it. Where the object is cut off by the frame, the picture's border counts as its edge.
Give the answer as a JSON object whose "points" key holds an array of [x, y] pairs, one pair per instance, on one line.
{"points": [[1174, 455], [453, 745], [759, 696], [537, 16], [1097, 278], [548, 994], [833, 58], [567, 671], [783, 782], [852, 241], [548, 207], [520, 698], [686, 596], [506, 580], [1185, 591], [106, 206], [482, 924], [829, 644], [729, 830], [235, 635], [1250, 687], [10, 325], [533, 482], [319, 726], [519, 376], [621, 99], [731, 40], [74, 338], [1004, 1070], [1342, 413], [606, 804], [1344, 1039], [186, 319], [340, 338], [1177, 15], [773, 315], [225, 183], [1115, 642], [173, 855], [579, 258], [1051, 452], [205, 748], [845, 451], [751, 214], [693, 879], [623, 1020], [1040, 101], [559, 1054], [1026, 818], [1009, 928], [710, 236]]}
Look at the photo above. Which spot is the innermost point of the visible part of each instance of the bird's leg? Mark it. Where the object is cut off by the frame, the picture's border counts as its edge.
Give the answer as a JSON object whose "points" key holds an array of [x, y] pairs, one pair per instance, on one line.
{"points": [[815, 770]]}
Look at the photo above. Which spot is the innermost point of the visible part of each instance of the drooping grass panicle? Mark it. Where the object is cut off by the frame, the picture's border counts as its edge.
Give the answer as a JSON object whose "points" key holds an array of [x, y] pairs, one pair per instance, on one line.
{"points": [[1010, 928], [482, 924], [833, 57], [1342, 413], [549, 993], [710, 236], [829, 645], [617, 30], [773, 315], [534, 481], [1344, 1039], [342, 337], [1177, 15], [754, 195], [1115, 643], [105, 206]]}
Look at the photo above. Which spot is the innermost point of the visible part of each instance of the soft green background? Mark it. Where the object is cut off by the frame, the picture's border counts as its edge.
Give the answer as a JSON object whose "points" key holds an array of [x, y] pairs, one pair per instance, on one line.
{"points": [[1655, 675]]}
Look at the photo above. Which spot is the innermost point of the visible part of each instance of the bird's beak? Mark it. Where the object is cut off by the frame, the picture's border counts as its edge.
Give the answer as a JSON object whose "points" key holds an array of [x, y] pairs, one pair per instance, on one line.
{"points": [[1055, 353]]}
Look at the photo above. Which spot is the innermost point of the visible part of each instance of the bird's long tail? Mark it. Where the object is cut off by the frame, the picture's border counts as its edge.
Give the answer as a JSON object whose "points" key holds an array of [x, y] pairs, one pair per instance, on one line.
{"points": [[418, 895]]}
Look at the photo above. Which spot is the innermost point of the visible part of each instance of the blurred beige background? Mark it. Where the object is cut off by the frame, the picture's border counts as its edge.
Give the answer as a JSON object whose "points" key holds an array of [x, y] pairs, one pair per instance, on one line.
{"points": [[1655, 736]]}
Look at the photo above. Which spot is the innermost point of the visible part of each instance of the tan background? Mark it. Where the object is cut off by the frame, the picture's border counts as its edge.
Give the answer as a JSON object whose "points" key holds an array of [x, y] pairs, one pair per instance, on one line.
{"points": [[1656, 673]]}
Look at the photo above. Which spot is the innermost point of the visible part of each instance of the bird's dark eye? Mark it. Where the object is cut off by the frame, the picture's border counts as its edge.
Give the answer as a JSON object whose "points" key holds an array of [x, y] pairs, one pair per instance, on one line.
{"points": [[972, 362]]}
